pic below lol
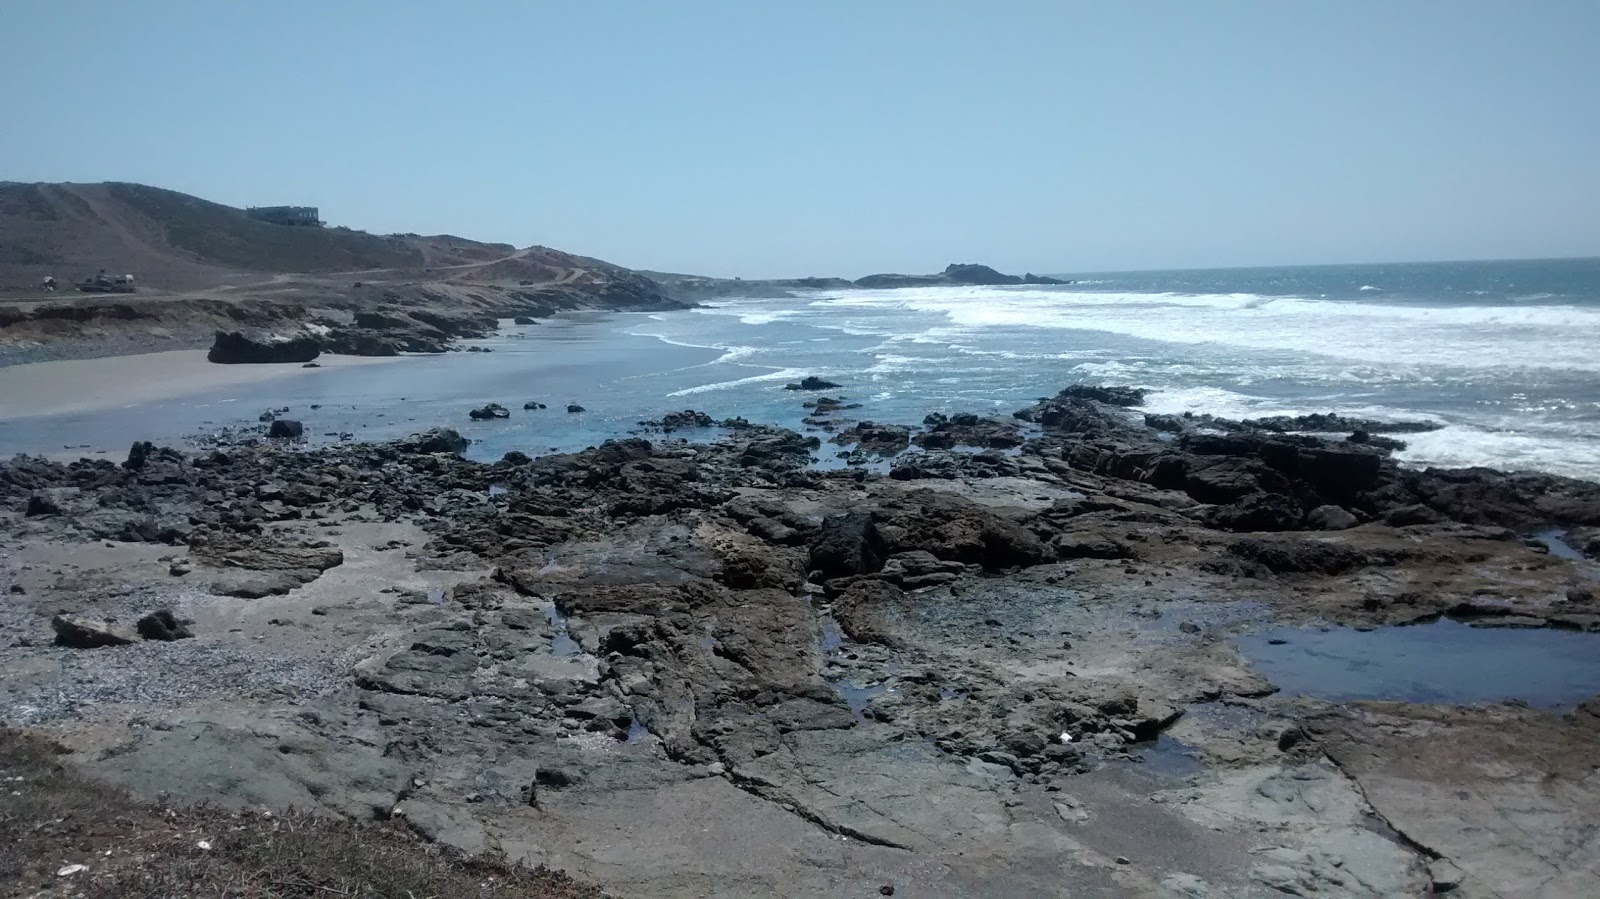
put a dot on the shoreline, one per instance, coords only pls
(69, 386)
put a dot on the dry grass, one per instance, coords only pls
(51, 818)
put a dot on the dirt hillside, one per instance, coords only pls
(202, 266)
(175, 243)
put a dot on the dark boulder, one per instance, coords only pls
(1113, 396)
(811, 382)
(1259, 512)
(574, 408)
(532, 405)
(86, 633)
(438, 440)
(39, 505)
(677, 421)
(1331, 518)
(286, 429)
(523, 320)
(237, 347)
(879, 439)
(848, 544)
(163, 625)
(491, 411)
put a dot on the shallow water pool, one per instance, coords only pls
(1443, 661)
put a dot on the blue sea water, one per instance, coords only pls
(1505, 354)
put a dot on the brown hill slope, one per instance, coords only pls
(174, 242)
(202, 266)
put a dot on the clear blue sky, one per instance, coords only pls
(821, 137)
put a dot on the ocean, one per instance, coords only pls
(1506, 355)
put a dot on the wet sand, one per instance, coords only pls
(87, 385)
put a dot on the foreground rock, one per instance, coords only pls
(938, 680)
(85, 633)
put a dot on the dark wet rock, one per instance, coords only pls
(575, 408)
(811, 382)
(1069, 415)
(957, 529)
(966, 429)
(312, 365)
(1328, 423)
(488, 412)
(285, 429)
(163, 625)
(532, 405)
(81, 632)
(878, 439)
(438, 440)
(138, 454)
(1111, 396)
(1520, 501)
(236, 347)
(1376, 440)
(848, 544)
(1330, 518)
(523, 320)
(1259, 512)
(955, 464)
(40, 504)
(677, 421)
(1301, 556)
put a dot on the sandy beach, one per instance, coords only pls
(86, 385)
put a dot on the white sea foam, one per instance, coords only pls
(1574, 455)
(1482, 337)
(889, 363)
(750, 313)
(785, 374)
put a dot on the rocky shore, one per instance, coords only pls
(1003, 659)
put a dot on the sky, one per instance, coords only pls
(841, 138)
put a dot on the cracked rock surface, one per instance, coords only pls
(709, 669)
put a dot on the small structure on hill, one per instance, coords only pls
(301, 216)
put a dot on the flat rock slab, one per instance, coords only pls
(274, 765)
(1509, 795)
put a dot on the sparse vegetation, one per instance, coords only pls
(52, 818)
